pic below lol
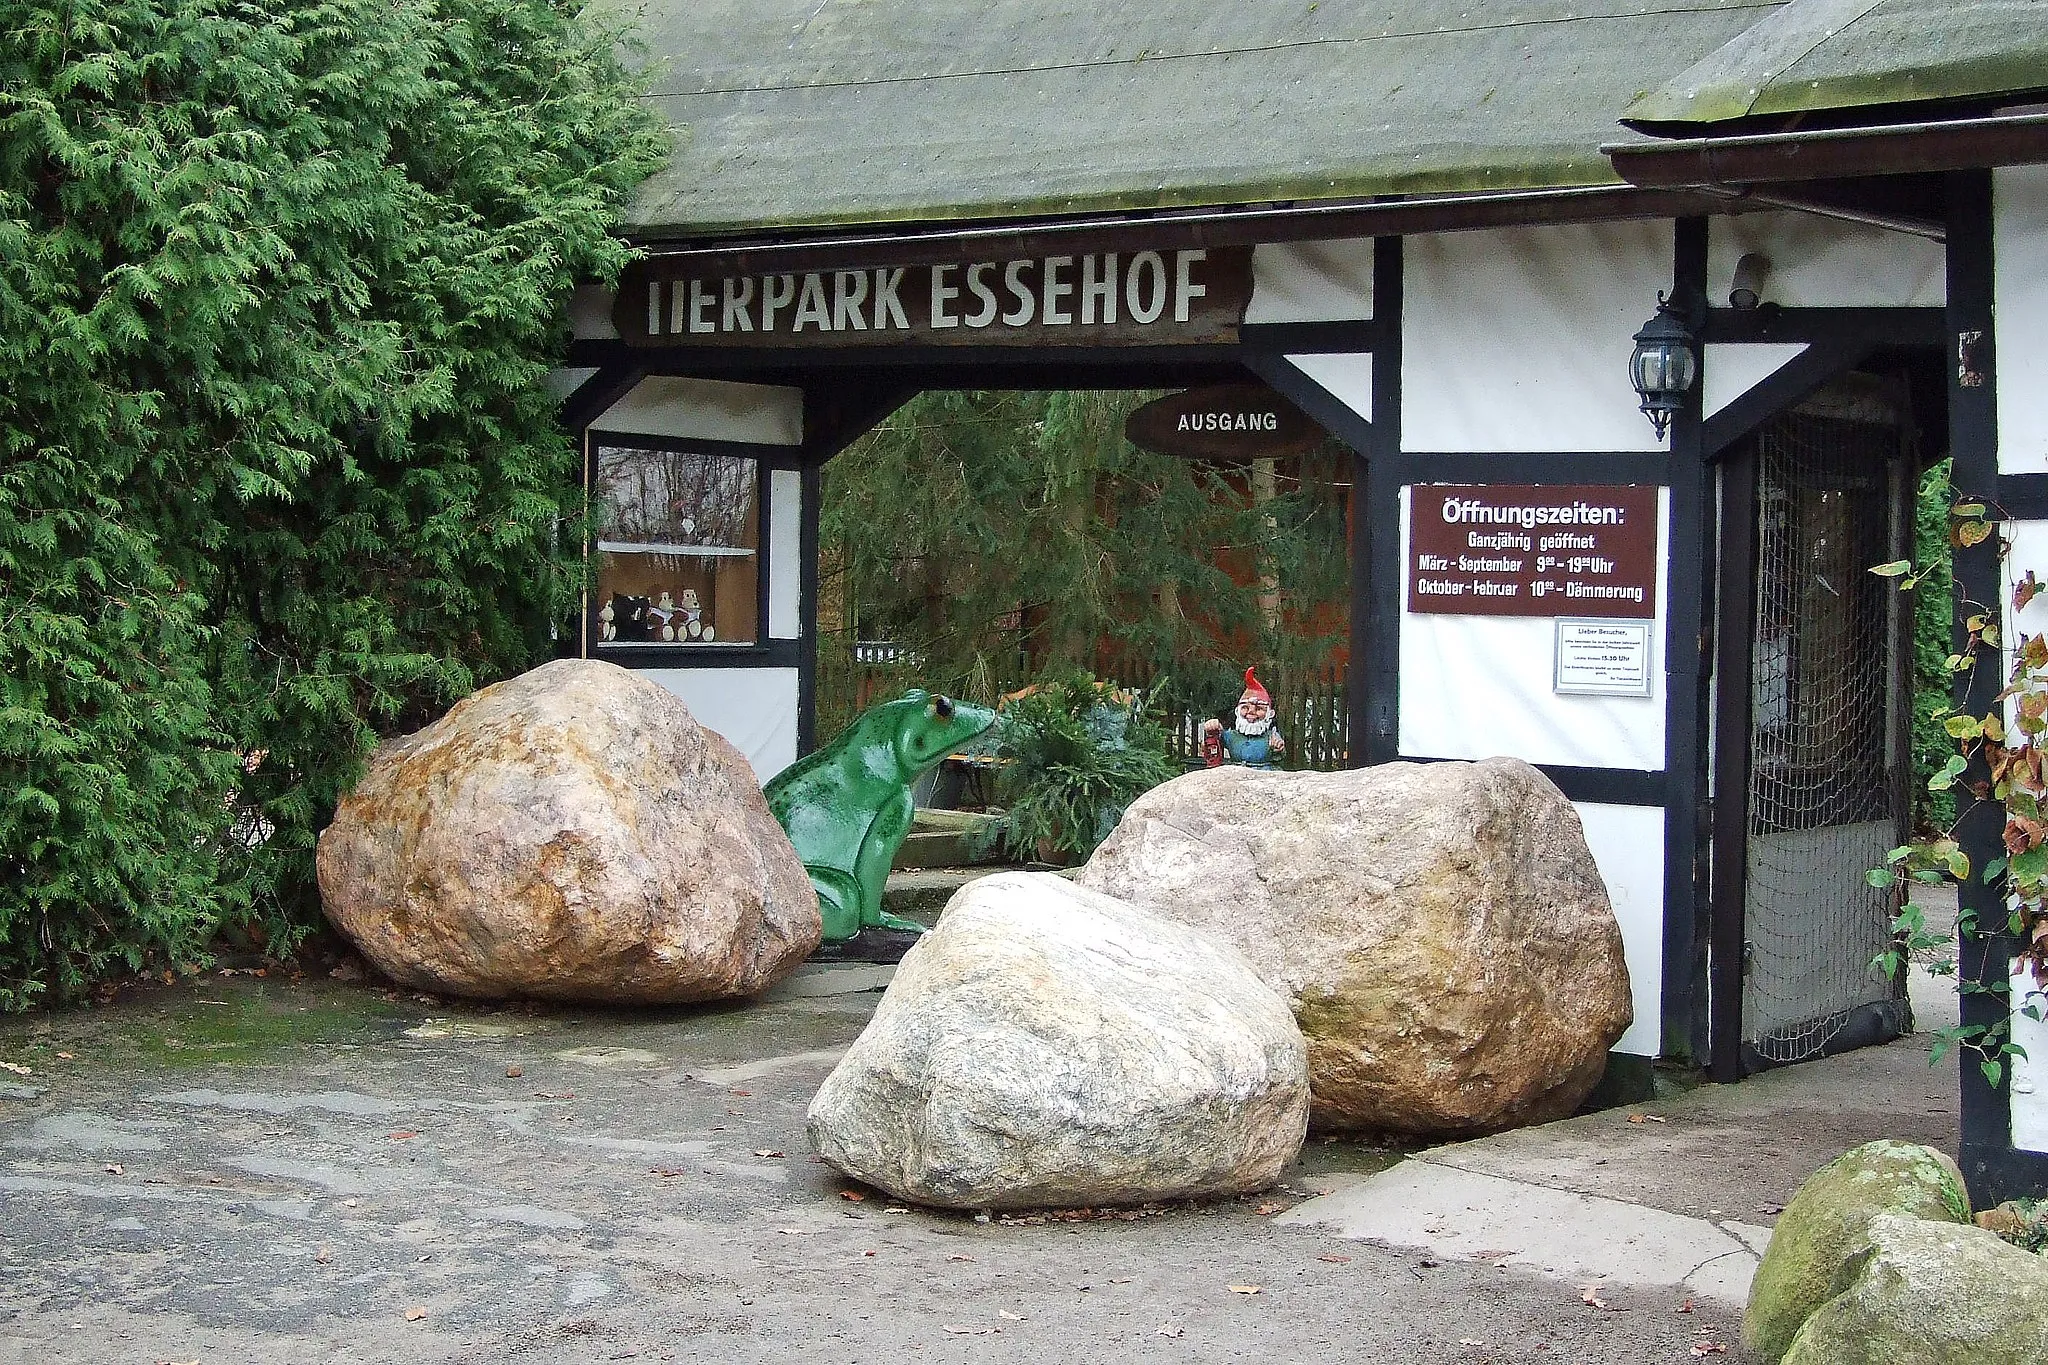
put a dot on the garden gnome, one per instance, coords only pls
(1253, 741)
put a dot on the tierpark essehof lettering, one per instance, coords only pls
(1104, 298)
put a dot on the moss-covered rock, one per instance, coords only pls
(1930, 1293)
(1827, 1224)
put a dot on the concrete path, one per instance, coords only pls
(1675, 1196)
(246, 1171)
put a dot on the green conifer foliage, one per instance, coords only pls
(278, 286)
(999, 534)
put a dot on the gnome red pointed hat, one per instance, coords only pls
(1254, 690)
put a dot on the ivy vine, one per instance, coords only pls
(2000, 757)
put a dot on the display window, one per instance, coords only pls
(678, 548)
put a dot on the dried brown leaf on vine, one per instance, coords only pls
(2025, 591)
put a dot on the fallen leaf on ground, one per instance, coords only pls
(17, 1068)
(1168, 1329)
(1590, 1296)
(65, 1057)
(744, 1094)
(513, 1073)
(323, 1255)
(1120, 1279)
(402, 1137)
(116, 1168)
(1246, 1289)
(1269, 1208)
(1009, 1316)
(1685, 1307)
(959, 1258)
(1335, 1260)
(766, 1151)
(1710, 1348)
(415, 1314)
(896, 1208)
(852, 1196)
(793, 1232)
(1770, 1208)
(1470, 1341)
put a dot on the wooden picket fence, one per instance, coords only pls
(1309, 704)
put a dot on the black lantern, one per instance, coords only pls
(1664, 365)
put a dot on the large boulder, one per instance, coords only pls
(1928, 1292)
(571, 834)
(1046, 1046)
(1827, 1225)
(1440, 929)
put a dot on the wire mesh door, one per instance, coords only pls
(1824, 787)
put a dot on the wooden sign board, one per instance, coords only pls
(1145, 298)
(1223, 422)
(1587, 550)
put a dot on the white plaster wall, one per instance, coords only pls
(708, 410)
(785, 554)
(563, 382)
(1518, 339)
(754, 708)
(1347, 377)
(2027, 549)
(1825, 263)
(590, 314)
(2029, 1088)
(1628, 845)
(2019, 196)
(1475, 686)
(1311, 281)
(1732, 369)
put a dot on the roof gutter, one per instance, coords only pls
(1170, 229)
(1722, 164)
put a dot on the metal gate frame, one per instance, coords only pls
(1838, 340)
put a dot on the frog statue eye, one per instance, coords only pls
(943, 707)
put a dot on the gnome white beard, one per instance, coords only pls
(1253, 728)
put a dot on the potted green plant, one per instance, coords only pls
(1075, 752)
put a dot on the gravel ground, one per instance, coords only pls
(254, 1170)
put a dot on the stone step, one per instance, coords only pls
(921, 893)
(949, 839)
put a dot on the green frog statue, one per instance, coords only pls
(848, 806)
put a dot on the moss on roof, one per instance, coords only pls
(814, 113)
(1817, 55)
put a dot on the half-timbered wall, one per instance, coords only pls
(752, 695)
(2020, 283)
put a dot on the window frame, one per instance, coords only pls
(695, 653)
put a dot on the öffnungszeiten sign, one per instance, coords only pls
(1533, 550)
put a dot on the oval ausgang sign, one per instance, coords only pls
(1226, 422)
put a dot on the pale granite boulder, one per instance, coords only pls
(1049, 1046)
(1440, 929)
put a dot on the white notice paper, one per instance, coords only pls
(1603, 658)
